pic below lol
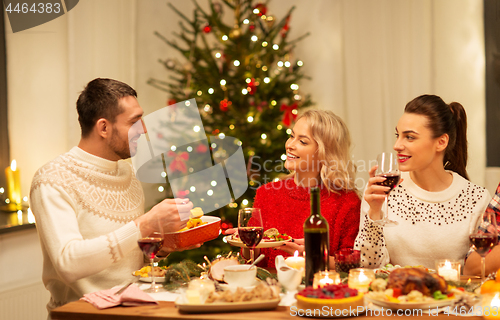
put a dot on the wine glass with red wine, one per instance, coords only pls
(389, 169)
(250, 229)
(150, 245)
(484, 238)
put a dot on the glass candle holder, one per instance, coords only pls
(448, 269)
(323, 278)
(360, 279)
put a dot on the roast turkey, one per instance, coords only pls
(408, 279)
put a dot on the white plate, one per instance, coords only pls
(411, 305)
(262, 244)
(227, 306)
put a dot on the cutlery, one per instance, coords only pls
(124, 287)
(257, 260)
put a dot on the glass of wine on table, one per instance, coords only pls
(484, 238)
(150, 244)
(250, 229)
(389, 169)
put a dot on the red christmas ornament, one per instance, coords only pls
(288, 114)
(179, 162)
(251, 27)
(201, 148)
(286, 27)
(224, 105)
(252, 87)
(225, 225)
(262, 9)
(207, 28)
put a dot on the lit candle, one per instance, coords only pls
(493, 312)
(12, 177)
(449, 270)
(360, 279)
(323, 278)
(296, 262)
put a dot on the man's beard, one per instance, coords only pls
(121, 148)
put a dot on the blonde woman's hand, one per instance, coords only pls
(290, 247)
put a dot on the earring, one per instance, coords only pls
(446, 164)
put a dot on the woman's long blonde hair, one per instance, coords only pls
(334, 149)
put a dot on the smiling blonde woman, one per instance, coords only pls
(318, 154)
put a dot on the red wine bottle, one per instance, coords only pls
(316, 239)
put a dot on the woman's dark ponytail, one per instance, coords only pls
(456, 156)
(450, 119)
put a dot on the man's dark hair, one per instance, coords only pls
(99, 99)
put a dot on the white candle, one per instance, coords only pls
(296, 262)
(449, 271)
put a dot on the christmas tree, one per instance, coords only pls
(245, 80)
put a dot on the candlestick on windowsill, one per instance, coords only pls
(13, 188)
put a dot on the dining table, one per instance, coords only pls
(166, 309)
(81, 310)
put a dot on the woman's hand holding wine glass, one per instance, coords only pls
(383, 178)
(250, 228)
(484, 238)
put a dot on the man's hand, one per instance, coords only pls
(167, 214)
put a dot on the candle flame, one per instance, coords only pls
(296, 254)
(362, 277)
(13, 165)
(447, 264)
(469, 281)
(495, 302)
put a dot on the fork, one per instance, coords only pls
(123, 288)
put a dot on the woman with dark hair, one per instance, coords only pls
(435, 204)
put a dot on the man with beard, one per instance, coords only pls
(88, 204)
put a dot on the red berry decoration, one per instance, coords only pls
(207, 28)
(224, 105)
(331, 291)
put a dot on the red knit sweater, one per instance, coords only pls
(285, 206)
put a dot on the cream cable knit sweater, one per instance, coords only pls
(84, 208)
(432, 225)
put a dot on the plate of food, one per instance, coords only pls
(144, 274)
(412, 288)
(199, 299)
(272, 238)
(388, 268)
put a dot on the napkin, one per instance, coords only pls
(132, 296)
